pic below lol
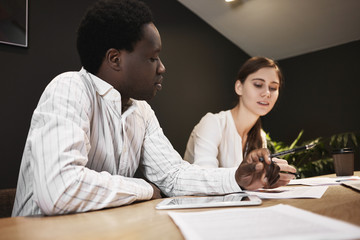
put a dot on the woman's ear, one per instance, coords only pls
(238, 88)
(113, 58)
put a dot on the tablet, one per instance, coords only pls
(229, 200)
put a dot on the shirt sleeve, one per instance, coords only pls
(59, 146)
(163, 166)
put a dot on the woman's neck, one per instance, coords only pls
(244, 120)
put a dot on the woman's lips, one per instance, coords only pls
(262, 103)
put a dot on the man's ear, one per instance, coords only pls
(238, 88)
(113, 59)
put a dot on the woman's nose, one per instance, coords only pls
(266, 93)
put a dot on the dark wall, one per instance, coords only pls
(24, 73)
(320, 94)
(201, 66)
(201, 70)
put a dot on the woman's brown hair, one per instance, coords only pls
(254, 140)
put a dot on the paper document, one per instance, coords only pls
(353, 184)
(290, 192)
(276, 222)
(322, 180)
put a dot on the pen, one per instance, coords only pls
(294, 150)
(292, 173)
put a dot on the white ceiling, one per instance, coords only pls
(281, 28)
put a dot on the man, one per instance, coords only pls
(92, 130)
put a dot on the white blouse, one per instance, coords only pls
(215, 142)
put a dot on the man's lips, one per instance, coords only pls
(158, 84)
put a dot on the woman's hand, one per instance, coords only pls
(284, 177)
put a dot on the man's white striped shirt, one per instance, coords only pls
(82, 152)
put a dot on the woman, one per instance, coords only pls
(223, 139)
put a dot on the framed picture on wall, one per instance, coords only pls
(14, 22)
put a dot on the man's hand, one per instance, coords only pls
(157, 192)
(257, 171)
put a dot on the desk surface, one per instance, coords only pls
(143, 221)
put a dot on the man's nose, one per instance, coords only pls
(161, 68)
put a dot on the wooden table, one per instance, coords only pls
(143, 221)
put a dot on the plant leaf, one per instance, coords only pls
(296, 140)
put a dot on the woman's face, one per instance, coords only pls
(260, 91)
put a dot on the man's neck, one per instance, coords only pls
(125, 104)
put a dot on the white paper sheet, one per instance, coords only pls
(290, 192)
(323, 180)
(353, 184)
(276, 222)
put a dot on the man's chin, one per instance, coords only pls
(145, 98)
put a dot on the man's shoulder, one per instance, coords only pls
(64, 79)
(72, 80)
(70, 76)
(69, 85)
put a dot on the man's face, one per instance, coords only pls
(142, 68)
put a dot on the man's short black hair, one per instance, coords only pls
(110, 24)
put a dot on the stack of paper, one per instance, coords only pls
(353, 184)
(276, 222)
(290, 192)
(323, 180)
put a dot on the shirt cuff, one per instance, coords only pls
(146, 191)
(231, 185)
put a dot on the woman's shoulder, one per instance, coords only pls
(219, 118)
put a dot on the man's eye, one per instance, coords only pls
(153, 59)
(258, 85)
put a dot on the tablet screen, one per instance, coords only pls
(198, 200)
(238, 199)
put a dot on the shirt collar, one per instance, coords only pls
(101, 86)
(108, 92)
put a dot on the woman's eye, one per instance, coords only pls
(258, 85)
(273, 89)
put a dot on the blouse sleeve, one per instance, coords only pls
(206, 138)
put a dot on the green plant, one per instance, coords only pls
(318, 160)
